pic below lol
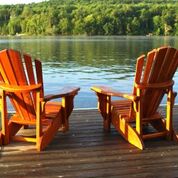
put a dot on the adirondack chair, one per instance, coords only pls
(22, 82)
(139, 110)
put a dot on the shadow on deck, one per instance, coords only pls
(86, 151)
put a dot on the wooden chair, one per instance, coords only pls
(140, 109)
(22, 82)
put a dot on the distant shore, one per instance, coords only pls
(91, 17)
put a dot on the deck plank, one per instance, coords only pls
(86, 151)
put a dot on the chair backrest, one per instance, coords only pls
(16, 69)
(160, 66)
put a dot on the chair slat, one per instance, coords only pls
(138, 76)
(139, 69)
(151, 94)
(167, 67)
(9, 77)
(16, 62)
(4, 79)
(159, 58)
(148, 65)
(38, 68)
(165, 72)
(173, 67)
(31, 76)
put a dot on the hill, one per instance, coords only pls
(91, 17)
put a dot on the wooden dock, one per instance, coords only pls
(86, 151)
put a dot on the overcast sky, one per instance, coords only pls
(2, 2)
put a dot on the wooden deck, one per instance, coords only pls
(86, 151)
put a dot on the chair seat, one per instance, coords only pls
(121, 109)
(52, 109)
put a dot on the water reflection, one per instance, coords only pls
(86, 61)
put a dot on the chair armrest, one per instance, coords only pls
(64, 92)
(162, 85)
(17, 88)
(110, 92)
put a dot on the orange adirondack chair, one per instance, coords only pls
(140, 109)
(23, 84)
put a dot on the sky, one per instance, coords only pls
(2, 2)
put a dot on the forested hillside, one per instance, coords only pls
(91, 17)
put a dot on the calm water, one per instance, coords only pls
(87, 61)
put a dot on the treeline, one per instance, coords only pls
(91, 17)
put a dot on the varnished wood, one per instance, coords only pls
(17, 88)
(8, 74)
(138, 75)
(39, 75)
(148, 65)
(4, 120)
(29, 67)
(111, 92)
(152, 81)
(24, 86)
(24, 139)
(64, 92)
(21, 79)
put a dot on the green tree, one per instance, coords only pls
(158, 26)
(27, 11)
(91, 17)
(168, 19)
(14, 26)
(90, 25)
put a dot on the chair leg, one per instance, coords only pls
(67, 107)
(107, 124)
(49, 133)
(13, 129)
(169, 113)
(128, 132)
(0, 139)
(5, 133)
(4, 119)
(104, 107)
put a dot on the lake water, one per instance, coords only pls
(87, 61)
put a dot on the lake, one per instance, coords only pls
(87, 61)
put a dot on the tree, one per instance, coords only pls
(91, 17)
(168, 19)
(14, 26)
(90, 25)
(158, 26)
